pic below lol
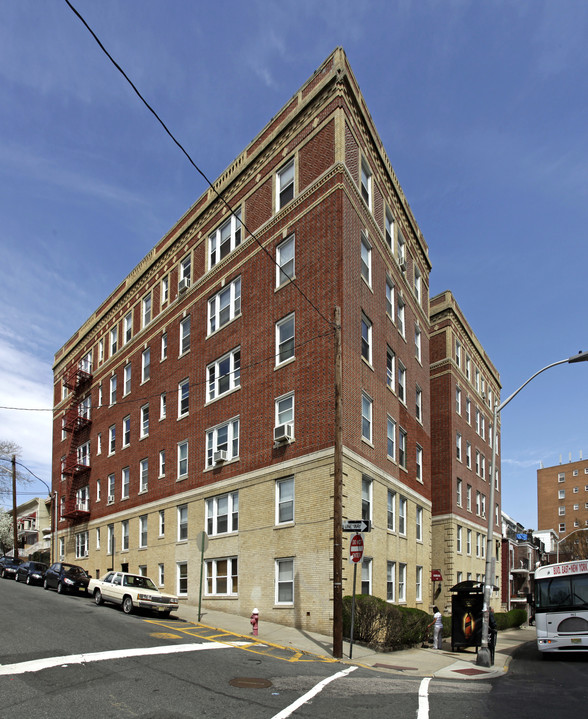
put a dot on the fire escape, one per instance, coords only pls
(76, 422)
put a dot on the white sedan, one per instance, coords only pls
(132, 591)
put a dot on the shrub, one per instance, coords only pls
(507, 620)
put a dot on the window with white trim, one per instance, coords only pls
(221, 577)
(419, 524)
(391, 438)
(402, 442)
(284, 185)
(164, 292)
(366, 183)
(366, 417)
(183, 398)
(162, 405)
(366, 575)
(401, 582)
(401, 388)
(366, 259)
(418, 292)
(182, 458)
(418, 403)
(225, 239)
(458, 400)
(82, 544)
(468, 455)
(126, 431)
(390, 298)
(224, 437)
(284, 581)
(285, 339)
(458, 539)
(124, 528)
(111, 439)
(469, 541)
(113, 389)
(163, 346)
(111, 482)
(366, 339)
(142, 531)
(285, 255)
(143, 475)
(127, 328)
(285, 500)
(366, 498)
(391, 511)
(390, 581)
(418, 342)
(224, 374)
(401, 247)
(185, 272)
(459, 492)
(144, 420)
(126, 480)
(402, 509)
(389, 228)
(126, 380)
(113, 340)
(458, 446)
(161, 522)
(284, 410)
(146, 310)
(182, 578)
(419, 463)
(222, 514)
(185, 335)
(182, 522)
(224, 306)
(161, 463)
(390, 368)
(145, 364)
(400, 316)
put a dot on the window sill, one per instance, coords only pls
(285, 283)
(368, 363)
(284, 363)
(284, 525)
(368, 442)
(221, 396)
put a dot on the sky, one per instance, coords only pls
(482, 109)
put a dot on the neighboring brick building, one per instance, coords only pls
(562, 497)
(464, 387)
(200, 395)
(522, 552)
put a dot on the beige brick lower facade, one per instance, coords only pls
(397, 557)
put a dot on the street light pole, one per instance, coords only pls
(484, 657)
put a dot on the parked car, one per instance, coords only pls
(132, 591)
(31, 572)
(8, 567)
(66, 578)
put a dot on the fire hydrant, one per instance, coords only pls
(255, 621)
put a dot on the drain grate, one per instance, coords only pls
(250, 683)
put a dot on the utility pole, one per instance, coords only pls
(338, 499)
(14, 522)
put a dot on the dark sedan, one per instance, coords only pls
(8, 567)
(66, 578)
(31, 572)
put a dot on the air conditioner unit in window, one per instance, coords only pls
(220, 456)
(183, 285)
(110, 498)
(284, 433)
(402, 263)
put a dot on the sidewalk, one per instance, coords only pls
(418, 662)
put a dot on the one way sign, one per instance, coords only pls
(356, 525)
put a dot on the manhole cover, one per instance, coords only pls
(250, 683)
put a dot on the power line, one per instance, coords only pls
(190, 160)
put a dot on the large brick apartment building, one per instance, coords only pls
(200, 395)
(562, 497)
(464, 387)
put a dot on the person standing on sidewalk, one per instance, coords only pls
(438, 628)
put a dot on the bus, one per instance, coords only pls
(561, 607)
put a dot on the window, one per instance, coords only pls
(366, 417)
(402, 438)
(284, 408)
(468, 455)
(221, 577)
(417, 284)
(458, 544)
(366, 575)
(111, 439)
(223, 438)
(561, 477)
(143, 475)
(164, 346)
(561, 511)
(161, 574)
(224, 374)
(389, 298)
(417, 342)
(478, 503)
(224, 240)
(110, 488)
(458, 353)
(143, 531)
(401, 316)
(183, 398)
(124, 527)
(126, 431)
(182, 522)
(458, 446)
(401, 382)
(222, 514)
(285, 185)
(113, 340)
(182, 459)
(390, 367)
(468, 413)
(184, 335)
(366, 498)
(366, 183)
(402, 508)
(224, 306)
(390, 581)
(419, 403)
(110, 539)
(182, 578)
(144, 420)
(419, 524)
(162, 522)
(284, 581)
(126, 380)
(459, 492)
(97, 537)
(391, 438)
(146, 365)
(419, 463)
(82, 542)
(185, 273)
(401, 249)
(391, 518)
(366, 259)
(562, 528)
(285, 500)
(285, 270)
(100, 353)
(419, 584)
(146, 310)
(127, 328)
(125, 482)
(164, 290)
(285, 329)
(366, 339)
(389, 228)
(469, 541)
(113, 390)
(97, 490)
(458, 400)
(402, 582)
(161, 463)
(162, 405)
(469, 497)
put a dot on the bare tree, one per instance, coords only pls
(575, 546)
(7, 450)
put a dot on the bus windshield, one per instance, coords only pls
(555, 593)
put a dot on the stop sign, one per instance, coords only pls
(356, 548)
